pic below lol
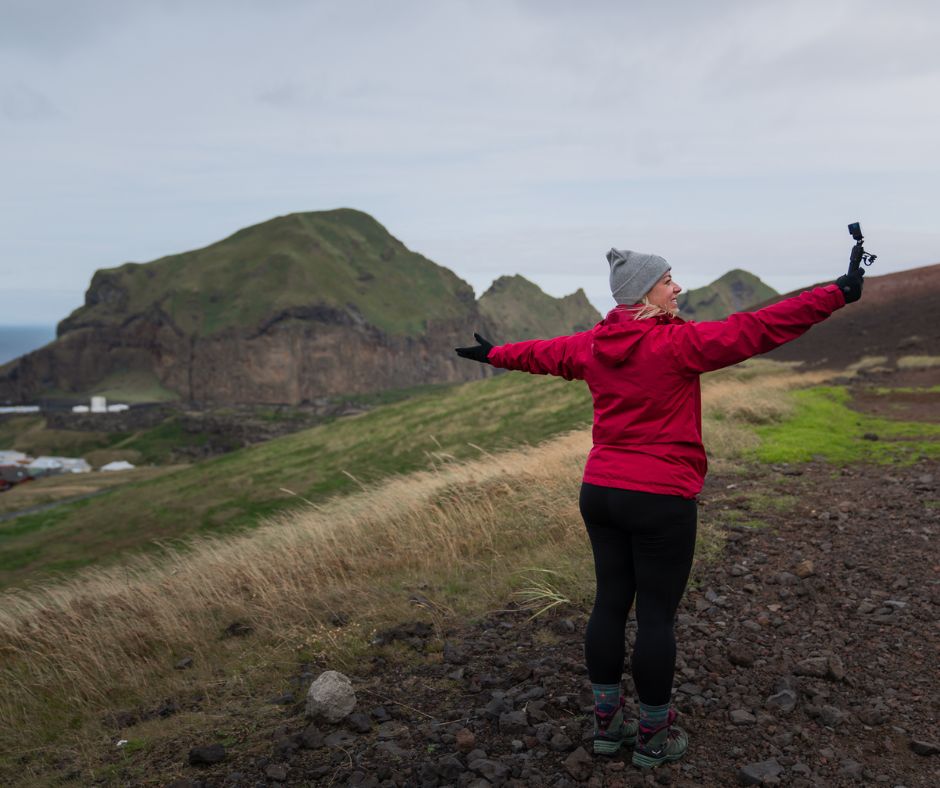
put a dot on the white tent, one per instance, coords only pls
(45, 465)
(117, 465)
(12, 457)
(59, 465)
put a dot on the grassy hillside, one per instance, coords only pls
(235, 490)
(733, 292)
(334, 258)
(312, 586)
(521, 310)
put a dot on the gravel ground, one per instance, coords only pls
(807, 658)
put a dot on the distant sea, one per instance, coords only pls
(17, 340)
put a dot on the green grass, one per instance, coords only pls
(155, 446)
(132, 387)
(823, 426)
(158, 444)
(238, 489)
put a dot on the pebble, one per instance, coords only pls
(873, 715)
(742, 717)
(494, 771)
(817, 667)
(277, 772)
(454, 655)
(392, 729)
(805, 569)
(513, 722)
(359, 722)
(449, 767)
(783, 701)
(759, 773)
(339, 738)
(741, 655)
(830, 716)
(207, 754)
(925, 748)
(560, 742)
(579, 764)
(851, 768)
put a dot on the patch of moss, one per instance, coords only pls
(823, 426)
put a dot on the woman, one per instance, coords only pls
(642, 364)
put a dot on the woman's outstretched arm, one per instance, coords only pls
(560, 356)
(704, 347)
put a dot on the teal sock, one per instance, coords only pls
(606, 695)
(653, 717)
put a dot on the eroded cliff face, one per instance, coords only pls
(300, 359)
(290, 359)
(301, 307)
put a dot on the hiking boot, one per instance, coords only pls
(611, 731)
(661, 745)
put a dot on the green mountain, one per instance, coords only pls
(737, 290)
(519, 309)
(290, 311)
(341, 259)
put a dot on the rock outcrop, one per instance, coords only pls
(296, 309)
(737, 290)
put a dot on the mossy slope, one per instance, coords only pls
(332, 258)
(735, 291)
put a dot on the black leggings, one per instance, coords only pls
(643, 545)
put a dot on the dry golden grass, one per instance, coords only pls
(69, 652)
(918, 362)
(753, 393)
(111, 632)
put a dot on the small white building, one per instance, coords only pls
(100, 404)
(13, 458)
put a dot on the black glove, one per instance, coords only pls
(851, 285)
(476, 352)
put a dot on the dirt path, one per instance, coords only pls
(808, 657)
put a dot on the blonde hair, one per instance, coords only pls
(646, 309)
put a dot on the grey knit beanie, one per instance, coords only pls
(632, 274)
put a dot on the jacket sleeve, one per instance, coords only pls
(558, 356)
(704, 347)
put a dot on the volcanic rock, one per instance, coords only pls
(331, 696)
(206, 755)
(758, 773)
(579, 765)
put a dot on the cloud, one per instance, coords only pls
(132, 130)
(20, 103)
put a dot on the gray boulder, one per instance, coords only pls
(331, 697)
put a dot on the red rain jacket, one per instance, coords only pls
(644, 378)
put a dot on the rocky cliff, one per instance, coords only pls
(521, 310)
(301, 307)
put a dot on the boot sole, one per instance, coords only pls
(647, 762)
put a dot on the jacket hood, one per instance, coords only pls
(616, 336)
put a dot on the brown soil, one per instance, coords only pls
(826, 571)
(893, 318)
(899, 405)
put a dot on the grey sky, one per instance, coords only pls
(493, 137)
